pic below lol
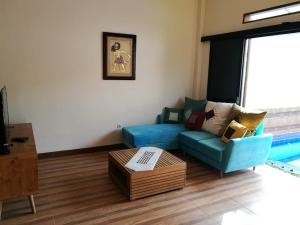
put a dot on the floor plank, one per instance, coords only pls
(76, 190)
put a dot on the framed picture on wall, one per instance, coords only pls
(119, 56)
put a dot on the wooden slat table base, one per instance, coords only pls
(168, 174)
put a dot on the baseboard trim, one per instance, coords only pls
(81, 151)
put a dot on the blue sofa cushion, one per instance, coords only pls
(191, 138)
(212, 148)
(161, 135)
(204, 143)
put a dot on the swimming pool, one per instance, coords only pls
(285, 152)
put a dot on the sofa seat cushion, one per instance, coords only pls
(204, 143)
(191, 138)
(212, 148)
(161, 135)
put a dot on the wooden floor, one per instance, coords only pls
(76, 190)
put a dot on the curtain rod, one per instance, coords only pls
(284, 28)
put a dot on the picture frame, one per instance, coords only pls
(119, 56)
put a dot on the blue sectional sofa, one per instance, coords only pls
(240, 153)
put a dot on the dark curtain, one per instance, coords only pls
(225, 70)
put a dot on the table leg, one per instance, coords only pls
(31, 199)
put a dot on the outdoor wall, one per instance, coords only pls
(222, 16)
(51, 63)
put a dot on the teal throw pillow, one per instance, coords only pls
(173, 115)
(193, 105)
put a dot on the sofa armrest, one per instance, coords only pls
(160, 118)
(242, 153)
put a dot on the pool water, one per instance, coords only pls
(295, 161)
(285, 152)
(290, 165)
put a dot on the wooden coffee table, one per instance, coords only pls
(168, 174)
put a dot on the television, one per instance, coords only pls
(4, 123)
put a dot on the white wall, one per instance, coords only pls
(223, 16)
(51, 63)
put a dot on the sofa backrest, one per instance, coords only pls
(260, 128)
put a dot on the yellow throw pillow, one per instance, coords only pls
(236, 111)
(234, 130)
(232, 116)
(250, 119)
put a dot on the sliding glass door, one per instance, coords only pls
(272, 79)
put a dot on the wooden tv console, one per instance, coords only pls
(19, 169)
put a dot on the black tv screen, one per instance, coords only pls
(4, 120)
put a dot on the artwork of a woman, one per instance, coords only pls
(119, 54)
(120, 58)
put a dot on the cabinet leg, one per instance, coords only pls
(0, 209)
(31, 199)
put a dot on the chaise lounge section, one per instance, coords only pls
(161, 135)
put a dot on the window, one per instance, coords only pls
(272, 72)
(271, 81)
(272, 12)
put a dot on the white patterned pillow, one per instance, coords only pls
(217, 113)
